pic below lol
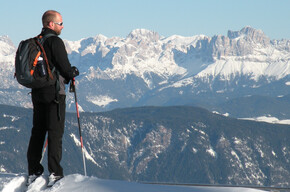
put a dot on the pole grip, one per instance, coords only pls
(72, 86)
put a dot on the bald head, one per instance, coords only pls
(49, 16)
(53, 20)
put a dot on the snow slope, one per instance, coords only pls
(76, 183)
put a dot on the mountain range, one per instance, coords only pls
(177, 144)
(147, 69)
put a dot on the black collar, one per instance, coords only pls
(45, 31)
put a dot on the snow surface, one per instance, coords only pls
(266, 119)
(77, 183)
(101, 100)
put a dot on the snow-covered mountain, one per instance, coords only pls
(146, 68)
(179, 144)
(11, 92)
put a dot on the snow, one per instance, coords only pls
(101, 100)
(225, 114)
(87, 155)
(211, 152)
(13, 118)
(5, 127)
(179, 84)
(266, 119)
(77, 182)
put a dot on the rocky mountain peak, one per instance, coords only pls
(142, 34)
(238, 43)
(6, 39)
(6, 45)
(249, 33)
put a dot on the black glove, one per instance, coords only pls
(75, 71)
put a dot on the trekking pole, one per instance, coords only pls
(44, 149)
(73, 89)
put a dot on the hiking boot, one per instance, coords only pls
(53, 179)
(34, 172)
(31, 179)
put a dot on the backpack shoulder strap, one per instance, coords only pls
(41, 38)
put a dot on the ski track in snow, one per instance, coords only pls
(77, 183)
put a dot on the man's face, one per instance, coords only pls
(58, 24)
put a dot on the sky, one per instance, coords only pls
(87, 18)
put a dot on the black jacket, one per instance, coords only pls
(58, 58)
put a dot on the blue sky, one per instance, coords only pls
(86, 18)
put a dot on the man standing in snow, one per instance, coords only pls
(49, 104)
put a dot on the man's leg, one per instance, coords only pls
(37, 138)
(55, 134)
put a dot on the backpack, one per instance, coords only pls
(31, 65)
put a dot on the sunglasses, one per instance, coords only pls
(58, 23)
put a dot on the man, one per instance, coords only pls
(49, 104)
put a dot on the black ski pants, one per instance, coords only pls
(46, 120)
